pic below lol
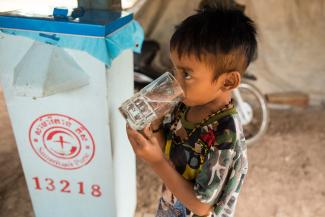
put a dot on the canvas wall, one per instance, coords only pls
(291, 40)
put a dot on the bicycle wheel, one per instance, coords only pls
(254, 105)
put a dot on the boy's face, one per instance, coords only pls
(197, 80)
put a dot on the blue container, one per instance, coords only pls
(91, 23)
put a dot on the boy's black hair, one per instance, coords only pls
(226, 38)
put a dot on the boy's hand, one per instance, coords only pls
(156, 123)
(146, 145)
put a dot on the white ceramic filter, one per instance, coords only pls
(152, 102)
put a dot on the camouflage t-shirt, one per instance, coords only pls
(211, 155)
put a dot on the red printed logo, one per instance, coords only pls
(61, 141)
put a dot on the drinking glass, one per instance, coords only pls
(152, 102)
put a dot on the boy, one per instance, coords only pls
(200, 155)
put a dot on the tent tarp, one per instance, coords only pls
(291, 40)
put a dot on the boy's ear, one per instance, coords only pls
(230, 80)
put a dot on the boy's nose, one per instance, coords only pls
(178, 78)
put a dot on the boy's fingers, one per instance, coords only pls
(136, 138)
(131, 135)
(147, 131)
(140, 139)
(130, 132)
(134, 145)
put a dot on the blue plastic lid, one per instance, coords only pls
(91, 23)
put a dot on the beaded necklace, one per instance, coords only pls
(182, 109)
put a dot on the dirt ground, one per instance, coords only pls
(286, 170)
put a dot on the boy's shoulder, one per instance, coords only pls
(225, 113)
(225, 129)
(226, 118)
(222, 129)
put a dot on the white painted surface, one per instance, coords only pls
(93, 107)
(120, 85)
(45, 70)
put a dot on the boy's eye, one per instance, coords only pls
(187, 75)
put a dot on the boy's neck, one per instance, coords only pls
(215, 105)
(200, 112)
